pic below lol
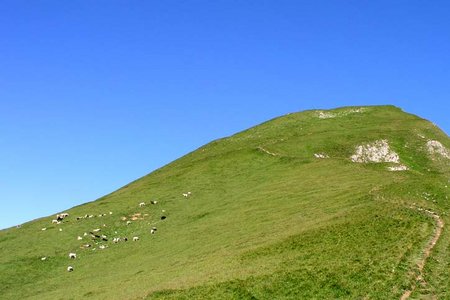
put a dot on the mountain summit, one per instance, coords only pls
(350, 203)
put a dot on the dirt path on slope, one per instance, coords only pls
(427, 251)
(267, 151)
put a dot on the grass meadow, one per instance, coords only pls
(266, 220)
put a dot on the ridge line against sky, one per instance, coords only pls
(96, 94)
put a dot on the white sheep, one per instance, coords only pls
(142, 204)
(61, 216)
(116, 240)
(154, 202)
(135, 238)
(79, 238)
(69, 269)
(43, 258)
(55, 221)
(128, 222)
(72, 255)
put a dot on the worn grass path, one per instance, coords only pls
(439, 225)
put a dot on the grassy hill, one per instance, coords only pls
(278, 211)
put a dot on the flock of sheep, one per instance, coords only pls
(95, 234)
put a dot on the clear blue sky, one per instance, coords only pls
(94, 94)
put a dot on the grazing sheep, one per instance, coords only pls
(153, 230)
(61, 216)
(125, 239)
(142, 204)
(85, 234)
(154, 202)
(110, 212)
(102, 246)
(128, 222)
(95, 236)
(135, 238)
(60, 229)
(185, 195)
(69, 269)
(163, 217)
(116, 240)
(43, 258)
(96, 230)
(43, 229)
(72, 255)
(79, 238)
(87, 245)
(55, 221)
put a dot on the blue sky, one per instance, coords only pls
(94, 94)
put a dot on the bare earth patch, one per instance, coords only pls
(321, 155)
(398, 168)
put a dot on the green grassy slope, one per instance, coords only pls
(266, 219)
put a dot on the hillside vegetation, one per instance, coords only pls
(304, 206)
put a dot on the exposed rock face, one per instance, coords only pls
(435, 147)
(325, 115)
(377, 151)
(328, 115)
